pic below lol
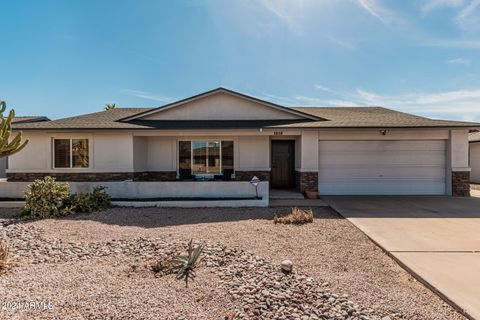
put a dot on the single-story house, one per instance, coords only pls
(18, 120)
(475, 157)
(225, 136)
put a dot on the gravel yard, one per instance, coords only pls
(92, 266)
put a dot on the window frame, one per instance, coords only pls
(70, 140)
(206, 140)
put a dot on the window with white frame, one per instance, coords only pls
(70, 153)
(206, 156)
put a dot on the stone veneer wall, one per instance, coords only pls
(306, 180)
(248, 175)
(155, 176)
(95, 176)
(461, 183)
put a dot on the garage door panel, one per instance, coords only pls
(378, 187)
(385, 173)
(378, 158)
(382, 167)
(385, 145)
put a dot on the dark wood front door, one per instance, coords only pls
(283, 164)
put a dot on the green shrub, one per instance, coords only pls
(97, 200)
(100, 198)
(46, 198)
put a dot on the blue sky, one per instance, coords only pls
(61, 58)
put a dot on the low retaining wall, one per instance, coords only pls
(165, 189)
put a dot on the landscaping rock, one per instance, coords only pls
(287, 266)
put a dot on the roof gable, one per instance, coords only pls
(222, 104)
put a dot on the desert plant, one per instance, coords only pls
(109, 106)
(100, 199)
(97, 200)
(189, 262)
(46, 198)
(15, 145)
(297, 216)
(5, 262)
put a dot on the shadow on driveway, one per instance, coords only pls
(405, 206)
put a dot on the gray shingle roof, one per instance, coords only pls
(338, 117)
(25, 119)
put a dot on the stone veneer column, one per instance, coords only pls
(306, 181)
(461, 183)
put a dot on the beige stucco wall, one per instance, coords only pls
(125, 151)
(140, 152)
(475, 162)
(373, 134)
(109, 152)
(161, 154)
(221, 106)
(458, 150)
(253, 153)
(113, 152)
(34, 157)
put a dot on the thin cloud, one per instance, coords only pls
(453, 43)
(146, 95)
(343, 43)
(308, 100)
(459, 61)
(468, 10)
(453, 104)
(371, 7)
(432, 5)
(292, 13)
(322, 88)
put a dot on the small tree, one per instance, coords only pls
(7, 148)
(110, 106)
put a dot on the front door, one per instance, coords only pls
(283, 164)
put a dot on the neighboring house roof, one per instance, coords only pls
(309, 117)
(474, 137)
(28, 119)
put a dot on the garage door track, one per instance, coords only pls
(437, 238)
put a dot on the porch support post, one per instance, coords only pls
(306, 174)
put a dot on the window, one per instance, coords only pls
(205, 157)
(184, 155)
(227, 155)
(70, 153)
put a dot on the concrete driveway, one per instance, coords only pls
(437, 238)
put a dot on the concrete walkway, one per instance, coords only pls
(435, 238)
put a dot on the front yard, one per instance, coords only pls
(92, 266)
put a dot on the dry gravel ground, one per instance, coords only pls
(329, 250)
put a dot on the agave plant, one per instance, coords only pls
(189, 262)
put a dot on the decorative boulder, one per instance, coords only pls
(287, 266)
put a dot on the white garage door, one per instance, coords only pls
(382, 167)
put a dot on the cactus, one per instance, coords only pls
(16, 144)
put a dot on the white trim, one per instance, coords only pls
(70, 153)
(207, 140)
